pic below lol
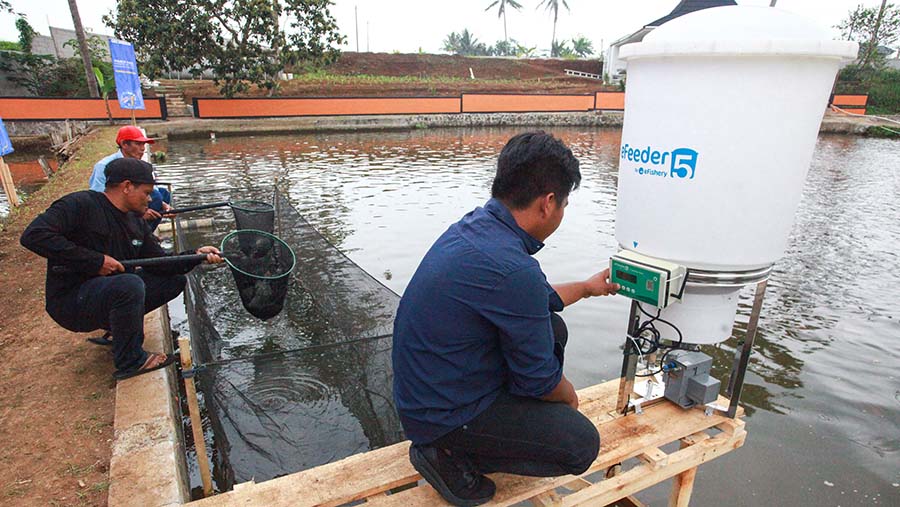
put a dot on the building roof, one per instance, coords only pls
(689, 6)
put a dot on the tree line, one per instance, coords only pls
(465, 43)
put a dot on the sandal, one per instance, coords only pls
(105, 340)
(154, 362)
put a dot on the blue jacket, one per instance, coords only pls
(475, 319)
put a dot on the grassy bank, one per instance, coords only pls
(57, 393)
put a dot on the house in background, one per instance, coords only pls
(54, 45)
(615, 68)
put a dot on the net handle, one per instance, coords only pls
(175, 211)
(164, 261)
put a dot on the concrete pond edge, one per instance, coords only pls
(148, 465)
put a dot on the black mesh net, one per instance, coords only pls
(256, 215)
(261, 265)
(307, 387)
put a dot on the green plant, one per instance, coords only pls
(241, 41)
(105, 86)
(882, 86)
(26, 34)
(562, 50)
(582, 46)
(525, 51)
(873, 28)
(465, 44)
(6, 45)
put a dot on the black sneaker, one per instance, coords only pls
(453, 477)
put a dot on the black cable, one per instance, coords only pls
(656, 345)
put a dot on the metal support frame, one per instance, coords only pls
(738, 370)
(629, 360)
(742, 354)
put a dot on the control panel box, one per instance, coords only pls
(646, 279)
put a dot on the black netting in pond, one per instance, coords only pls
(310, 385)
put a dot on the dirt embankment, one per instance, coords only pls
(57, 395)
(452, 66)
(404, 75)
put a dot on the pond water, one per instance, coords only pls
(29, 174)
(822, 392)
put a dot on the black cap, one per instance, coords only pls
(131, 169)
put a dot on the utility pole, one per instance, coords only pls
(367, 37)
(356, 18)
(85, 53)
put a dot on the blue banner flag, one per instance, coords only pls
(5, 143)
(128, 83)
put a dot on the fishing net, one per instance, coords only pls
(256, 215)
(306, 387)
(261, 265)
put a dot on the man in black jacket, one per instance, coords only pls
(83, 235)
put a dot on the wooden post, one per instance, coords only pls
(8, 186)
(683, 483)
(184, 344)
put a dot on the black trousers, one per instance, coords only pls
(118, 304)
(526, 436)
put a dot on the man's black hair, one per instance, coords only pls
(533, 164)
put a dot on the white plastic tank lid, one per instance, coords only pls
(740, 30)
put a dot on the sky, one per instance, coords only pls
(409, 26)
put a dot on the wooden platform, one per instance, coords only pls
(636, 437)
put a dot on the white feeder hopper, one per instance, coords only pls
(722, 111)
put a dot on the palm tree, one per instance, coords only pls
(85, 54)
(582, 46)
(501, 11)
(553, 6)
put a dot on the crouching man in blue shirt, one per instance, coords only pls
(478, 347)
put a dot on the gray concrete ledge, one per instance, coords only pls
(148, 458)
(180, 128)
(192, 128)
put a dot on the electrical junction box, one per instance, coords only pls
(687, 379)
(647, 279)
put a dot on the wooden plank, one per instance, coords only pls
(731, 425)
(578, 484)
(641, 477)
(695, 438)
(184, 346)
(546, 499)
(654, 457)
(369, 474)
(621, 438)
(628, 501)
(350, 479)
(9, 187)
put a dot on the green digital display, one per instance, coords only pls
(637, 281)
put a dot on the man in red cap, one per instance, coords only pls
(131, 142)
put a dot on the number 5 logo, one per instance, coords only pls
(684, 161)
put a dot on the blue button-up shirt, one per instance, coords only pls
(474, 319)
(97, 181)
